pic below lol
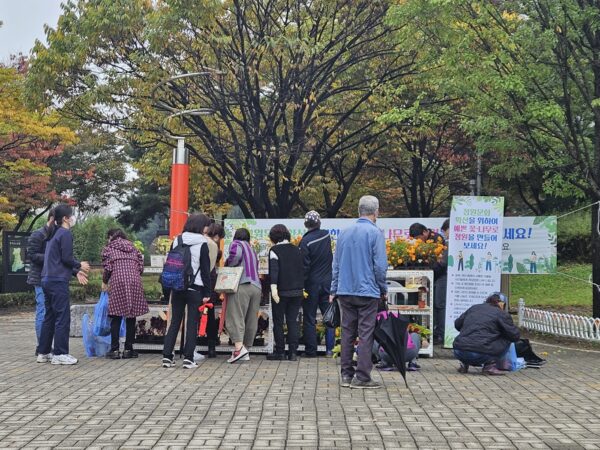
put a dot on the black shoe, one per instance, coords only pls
(346, 381)
(128, 354)
(357, 384)
(212, 353)
(292, 357)
(275, 357)
(114, 355)
(309, 355)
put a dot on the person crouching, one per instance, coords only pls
(485, 333)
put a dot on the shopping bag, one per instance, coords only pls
(331, 318)
(87, 333)
(101, 320)
(228, 279)
(509, 360)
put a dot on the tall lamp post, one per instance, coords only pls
(180, 167)
(180, 181)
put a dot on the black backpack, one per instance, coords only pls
(177, 274)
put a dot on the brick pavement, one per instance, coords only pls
(263, 404)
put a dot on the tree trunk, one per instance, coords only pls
(595, 261)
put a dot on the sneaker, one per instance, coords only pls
(464, 368)
(357, 384)
(187, 364)
(292, 357)
(328, 354)
(168, 363)
(128, 354)
(275, 357)
(413, 367)
(113, 355)
(346, 381)
(385, 368)
(66, 360)
(246, 357)
(491, 369)
(44, 358)
(236, 355)
(199, 357)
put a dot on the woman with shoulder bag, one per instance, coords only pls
(192, 298)
(241, 316)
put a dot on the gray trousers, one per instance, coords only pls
(359, 315)
(241, 317)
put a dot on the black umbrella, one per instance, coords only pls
(390, 332)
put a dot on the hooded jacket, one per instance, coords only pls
(486, 329)
(200, 260)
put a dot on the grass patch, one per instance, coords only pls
(554, 291)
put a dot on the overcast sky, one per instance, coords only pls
(23, 23)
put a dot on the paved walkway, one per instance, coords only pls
(262, 404)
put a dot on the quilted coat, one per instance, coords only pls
(123, 265)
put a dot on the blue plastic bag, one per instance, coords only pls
(509, 360)
(101, 320)
(87, 333)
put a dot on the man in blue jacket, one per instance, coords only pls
(358, 280)
(316, 249)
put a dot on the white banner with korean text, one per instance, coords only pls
(528, 243)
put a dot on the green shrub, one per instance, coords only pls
(574, 237)
(17, 299)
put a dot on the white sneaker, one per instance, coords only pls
(246, 357)
(168, 363)
(236, 356)
(199, 357)
(45, 358)
(66, 360)
(187, 364)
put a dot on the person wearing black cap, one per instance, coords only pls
(318, 258)
(485, 333)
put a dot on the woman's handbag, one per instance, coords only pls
(331, 318)
(228, 279)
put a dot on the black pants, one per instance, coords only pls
(193, 300)
(115, 328)
(286, 310)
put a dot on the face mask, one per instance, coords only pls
(72, 221)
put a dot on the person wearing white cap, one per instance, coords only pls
(318, 258)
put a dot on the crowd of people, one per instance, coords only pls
(306, 277)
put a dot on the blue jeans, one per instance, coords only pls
(40, 311)
(473, 358)
(57, 320)
(317, 298)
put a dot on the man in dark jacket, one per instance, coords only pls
(440, 271)
(485, 333)
(36, 246)
(318, 257)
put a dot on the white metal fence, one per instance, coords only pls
(580, 327)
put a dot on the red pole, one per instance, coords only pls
(180, 180)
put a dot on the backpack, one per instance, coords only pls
(177, 274)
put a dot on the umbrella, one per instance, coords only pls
(390, 332)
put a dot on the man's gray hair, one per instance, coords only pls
(368, 205)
